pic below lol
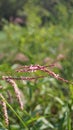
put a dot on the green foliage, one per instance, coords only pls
(48, 103)
(57, 11)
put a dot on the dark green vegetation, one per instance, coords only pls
(47, 38)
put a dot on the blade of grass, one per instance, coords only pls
(68, 120)
(15, 113)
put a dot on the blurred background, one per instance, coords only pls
(39, 32)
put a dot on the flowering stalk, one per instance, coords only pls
(4, 110)
(17, 92)
(33, 68)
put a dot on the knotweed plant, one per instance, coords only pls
(25, 69)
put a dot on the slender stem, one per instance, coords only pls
(21, 78)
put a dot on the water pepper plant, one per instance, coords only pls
(24, 69)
